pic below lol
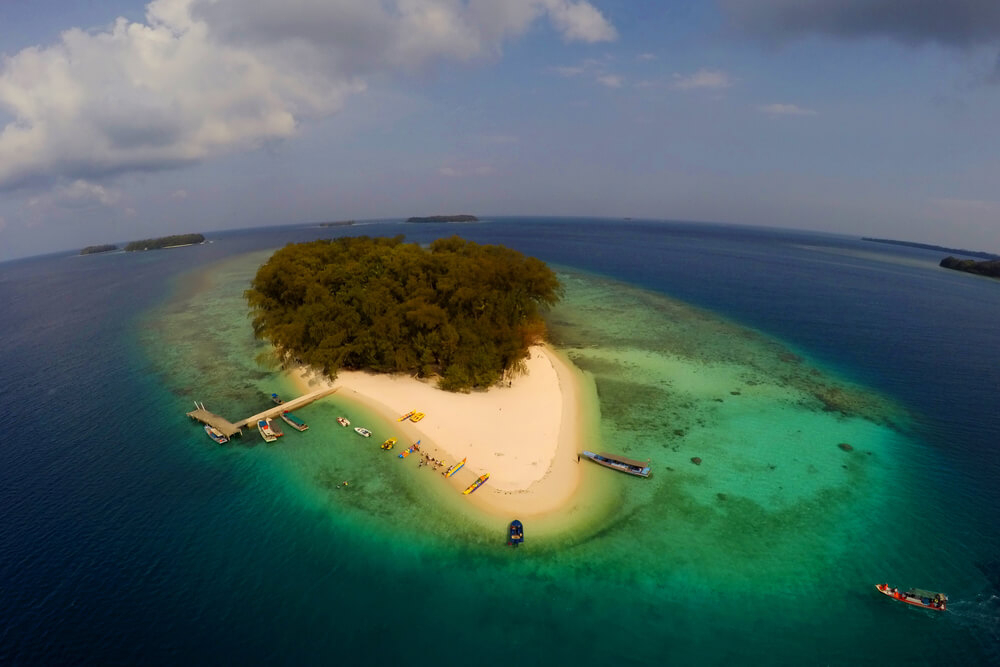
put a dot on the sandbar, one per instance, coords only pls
(526, 435)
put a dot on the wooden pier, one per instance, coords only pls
(229, 429)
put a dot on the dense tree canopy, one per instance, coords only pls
(164, 242)
(987, 268)
(459, 310)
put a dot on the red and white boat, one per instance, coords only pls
(916, 596)
(266, 432)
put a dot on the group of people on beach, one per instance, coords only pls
(428, 460)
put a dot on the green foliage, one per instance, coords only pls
(164, 242)
(462, 311)
(985, 268)
(94, 249)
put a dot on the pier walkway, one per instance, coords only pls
(287, 405)
(229, 429)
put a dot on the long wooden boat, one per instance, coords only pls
(294, 421)
(265, 430)
(620, 463)
(516, 533)
(478, 483)
(275, 428)
(916, 597)
(277, 399)
(216, 434)
(455, 468)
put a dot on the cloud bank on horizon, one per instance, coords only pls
(949, 22)
(874, 117)
(202, 77)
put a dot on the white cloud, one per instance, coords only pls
(198, 78)
(594, 69)
(646, 57)
(711, 79)
(3, 223)
(785, 110)
(580, 21)
(180, 194)
(80, 193)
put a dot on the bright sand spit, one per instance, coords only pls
(526, 435)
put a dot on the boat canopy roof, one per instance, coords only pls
(626, 461)
(921, 593)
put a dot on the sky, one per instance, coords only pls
(123, 119)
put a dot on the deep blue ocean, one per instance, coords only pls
(126, 538)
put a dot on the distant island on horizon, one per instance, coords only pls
(339, 223)
(95, 249)
(165, 242)
(444, 218)
(928, 246)
(990, 268)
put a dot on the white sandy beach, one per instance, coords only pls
(526, 435)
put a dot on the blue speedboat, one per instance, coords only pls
(516, 533)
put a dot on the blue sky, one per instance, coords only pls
(122, 120)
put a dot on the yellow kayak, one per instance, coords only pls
(417, 417)
(455, 468)
(407, 415)
(478, 483)
(389, 443)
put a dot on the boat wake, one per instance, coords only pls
(981, 617)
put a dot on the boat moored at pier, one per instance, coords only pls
(266, 432)
(620, 463)
(294, 421)
(216, 435)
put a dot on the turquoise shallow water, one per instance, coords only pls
(134, 538)
(776, 514)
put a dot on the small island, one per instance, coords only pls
(165, 242)
(444, 218)
(989, 268)
(339, 223)
(463, 313)
(95, 249)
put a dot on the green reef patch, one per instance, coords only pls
(751, 479)
(744, 436)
